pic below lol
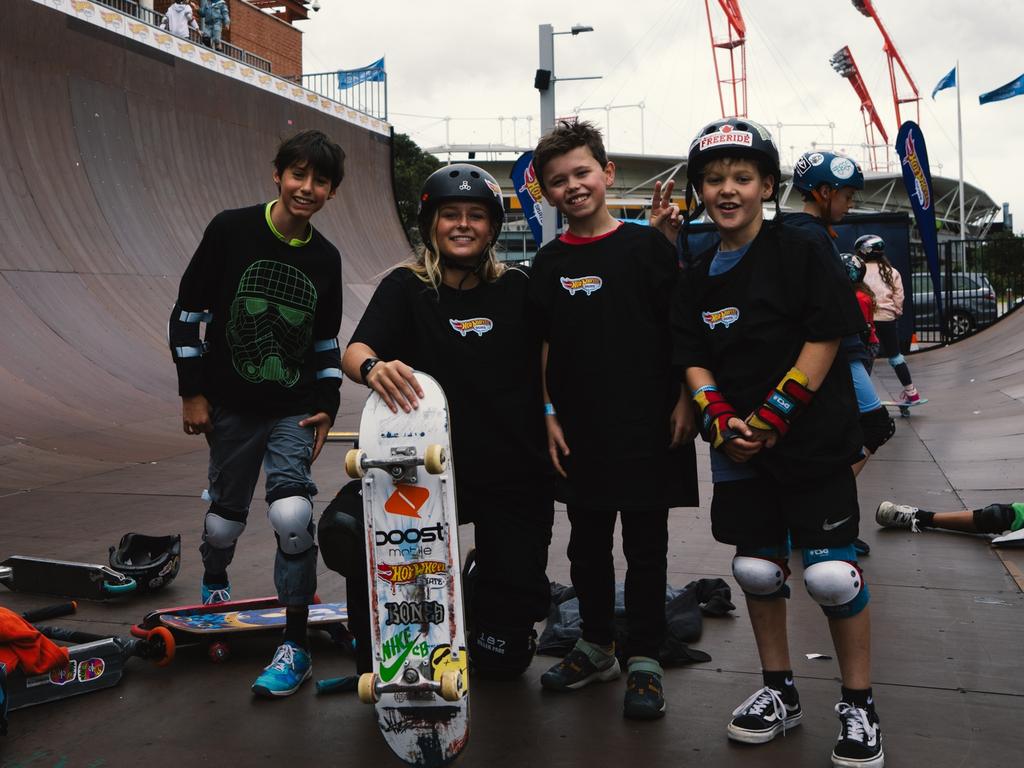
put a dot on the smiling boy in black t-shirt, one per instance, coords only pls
(601, 294)
(757, 325)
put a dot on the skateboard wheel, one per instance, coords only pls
(434, 459)
(354, 463)
(367, 688)
(162, 639)
(218, 652)
(451, 685)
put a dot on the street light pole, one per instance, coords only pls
(546, 64)
(544, 81)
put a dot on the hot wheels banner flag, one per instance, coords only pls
(527, 187)
(918, 180)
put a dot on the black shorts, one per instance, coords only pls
(760, 512)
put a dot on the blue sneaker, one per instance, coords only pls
(290, 668)
(214, 594)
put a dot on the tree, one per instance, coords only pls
(412, 167)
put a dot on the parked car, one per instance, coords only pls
(971, 297)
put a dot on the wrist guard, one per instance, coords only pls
(715, 413)
(783, 404)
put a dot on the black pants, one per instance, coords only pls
(645, 545)
(512, 531)
(888, 337)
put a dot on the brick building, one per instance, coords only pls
(271, 36)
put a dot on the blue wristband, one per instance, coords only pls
(705, 388)
(549, 409)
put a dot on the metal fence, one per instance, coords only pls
(155, 19)
(980, 281)
(370, 96)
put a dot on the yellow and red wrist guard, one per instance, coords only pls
(715, 413)
(783, 404)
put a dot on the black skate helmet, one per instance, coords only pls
(854, 266)
(870, 247)
(732, 137)
(813, 169)
(153, 561)
(460, 181)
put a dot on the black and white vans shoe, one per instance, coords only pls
(762, 717)
(860, 740)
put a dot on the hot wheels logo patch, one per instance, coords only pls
(408, 573)
(587, 284)
(478, 325)
(725, 317)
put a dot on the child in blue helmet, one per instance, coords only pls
(828, 183)
(757, 326)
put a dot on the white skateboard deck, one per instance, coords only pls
(412, 552)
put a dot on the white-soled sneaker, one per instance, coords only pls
(762, 717)
(859, 744)
(892, 515)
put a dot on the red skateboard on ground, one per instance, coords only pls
(214, 625)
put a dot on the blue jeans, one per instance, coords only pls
(239, 444)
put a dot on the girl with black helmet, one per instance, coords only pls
(456, 312)
(887, 285)
(764, 312)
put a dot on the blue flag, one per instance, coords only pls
(1008, 91)
(949, 81)
(373, 73)
(917, 178)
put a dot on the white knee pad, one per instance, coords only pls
(292, 518)
(833, 582)
(897, 360)
(221, 533)
(758, 576)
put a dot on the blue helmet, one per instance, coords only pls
(813, 169)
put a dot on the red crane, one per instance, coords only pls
(868, 9)
(733, 44)
(843, 63)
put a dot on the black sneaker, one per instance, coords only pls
(645, 698)
(860, 740)
(577, 670)
(762, 717)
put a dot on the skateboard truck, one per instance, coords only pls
(450, 687)
(401, 465)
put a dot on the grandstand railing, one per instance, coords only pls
(155, 19)
(370, 96)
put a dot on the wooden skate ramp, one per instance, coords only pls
(112, 162)
(114, 157)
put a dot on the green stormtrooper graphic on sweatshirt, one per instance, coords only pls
(271, 324)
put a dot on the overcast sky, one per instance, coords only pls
(474, 62)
